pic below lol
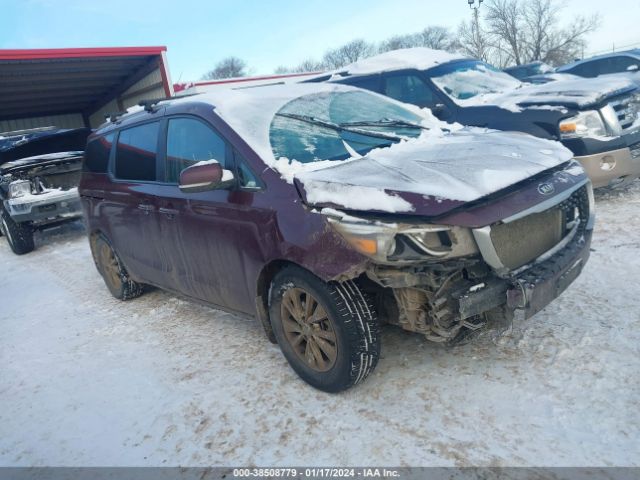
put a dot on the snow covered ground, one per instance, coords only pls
(88, 380)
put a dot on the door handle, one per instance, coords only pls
(146, 208)
(169, 212)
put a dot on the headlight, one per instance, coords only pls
(585, 124)
(19, 188)
(393, 243)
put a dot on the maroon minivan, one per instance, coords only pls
(326, 210)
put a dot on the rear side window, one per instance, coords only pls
(190, 141)
(409, 89)
(96, 155)
(136, 152)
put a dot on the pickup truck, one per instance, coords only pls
(597, 119)
(39, 176)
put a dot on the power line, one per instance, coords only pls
(615, 48)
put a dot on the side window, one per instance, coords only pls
(246, 178)
(96, 154)
(409, 89)
(136, 152)
(190, 141)
(625, 64)
(588, 70)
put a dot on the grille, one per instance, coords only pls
(627, 110)
(522, 241)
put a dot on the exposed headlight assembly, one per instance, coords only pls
(19, 188)
(394, 243)
(584, 124)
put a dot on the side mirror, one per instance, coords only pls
(439, 110)
(204, 176)
(632, 68)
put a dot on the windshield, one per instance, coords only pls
(466, 80)
(339, 125)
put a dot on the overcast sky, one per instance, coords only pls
(265, 34)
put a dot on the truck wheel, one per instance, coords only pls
(328, 332)
(19, 235)
(113, 272)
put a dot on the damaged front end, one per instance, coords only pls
(444, 281)
(42, 190)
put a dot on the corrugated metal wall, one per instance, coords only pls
(151, 87)
(72, 120)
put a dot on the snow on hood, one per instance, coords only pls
(575, 92)
(462, 166)
(420, 58)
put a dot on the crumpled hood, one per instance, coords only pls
(432, 174)
(575, 93)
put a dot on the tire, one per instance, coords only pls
(351, 321)
(113, 272)
(19, 235)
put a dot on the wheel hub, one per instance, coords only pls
(308, 329)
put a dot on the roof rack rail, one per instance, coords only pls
(113, 117)
(151, 103)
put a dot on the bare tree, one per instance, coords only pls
(474, 41)
(227, 68)
(348, 53)
(397, 42)
(436, 37)
(522, 32)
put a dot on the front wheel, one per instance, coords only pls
(19, 235)
(328, 332)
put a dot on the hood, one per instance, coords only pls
(17, 145)
(578, 93)
(40, 160)
(432, 174)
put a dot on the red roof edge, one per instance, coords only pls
(58, 53)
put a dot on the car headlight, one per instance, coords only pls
(19, 188)
(393, 243)
(585, 124)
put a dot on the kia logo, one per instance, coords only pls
(546, 188)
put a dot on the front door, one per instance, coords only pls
(208, 237)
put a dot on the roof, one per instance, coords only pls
(418, 58)
(73, 80)
(635, 52)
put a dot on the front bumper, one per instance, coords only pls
(539, 285)
(613, 168)
(44, 208)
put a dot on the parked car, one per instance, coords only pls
(623, 65)
(537, 72)
(324, 209)
(39, 175)
(598, 120)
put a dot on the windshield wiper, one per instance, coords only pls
(385, 122)
(340, 127)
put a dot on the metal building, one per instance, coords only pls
(77, 87)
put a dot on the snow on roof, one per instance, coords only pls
(420, 58)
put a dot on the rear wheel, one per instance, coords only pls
(328, 332)
(113, 272)
(19, 235)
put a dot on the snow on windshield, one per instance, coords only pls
(337, 126)
(468, 81)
